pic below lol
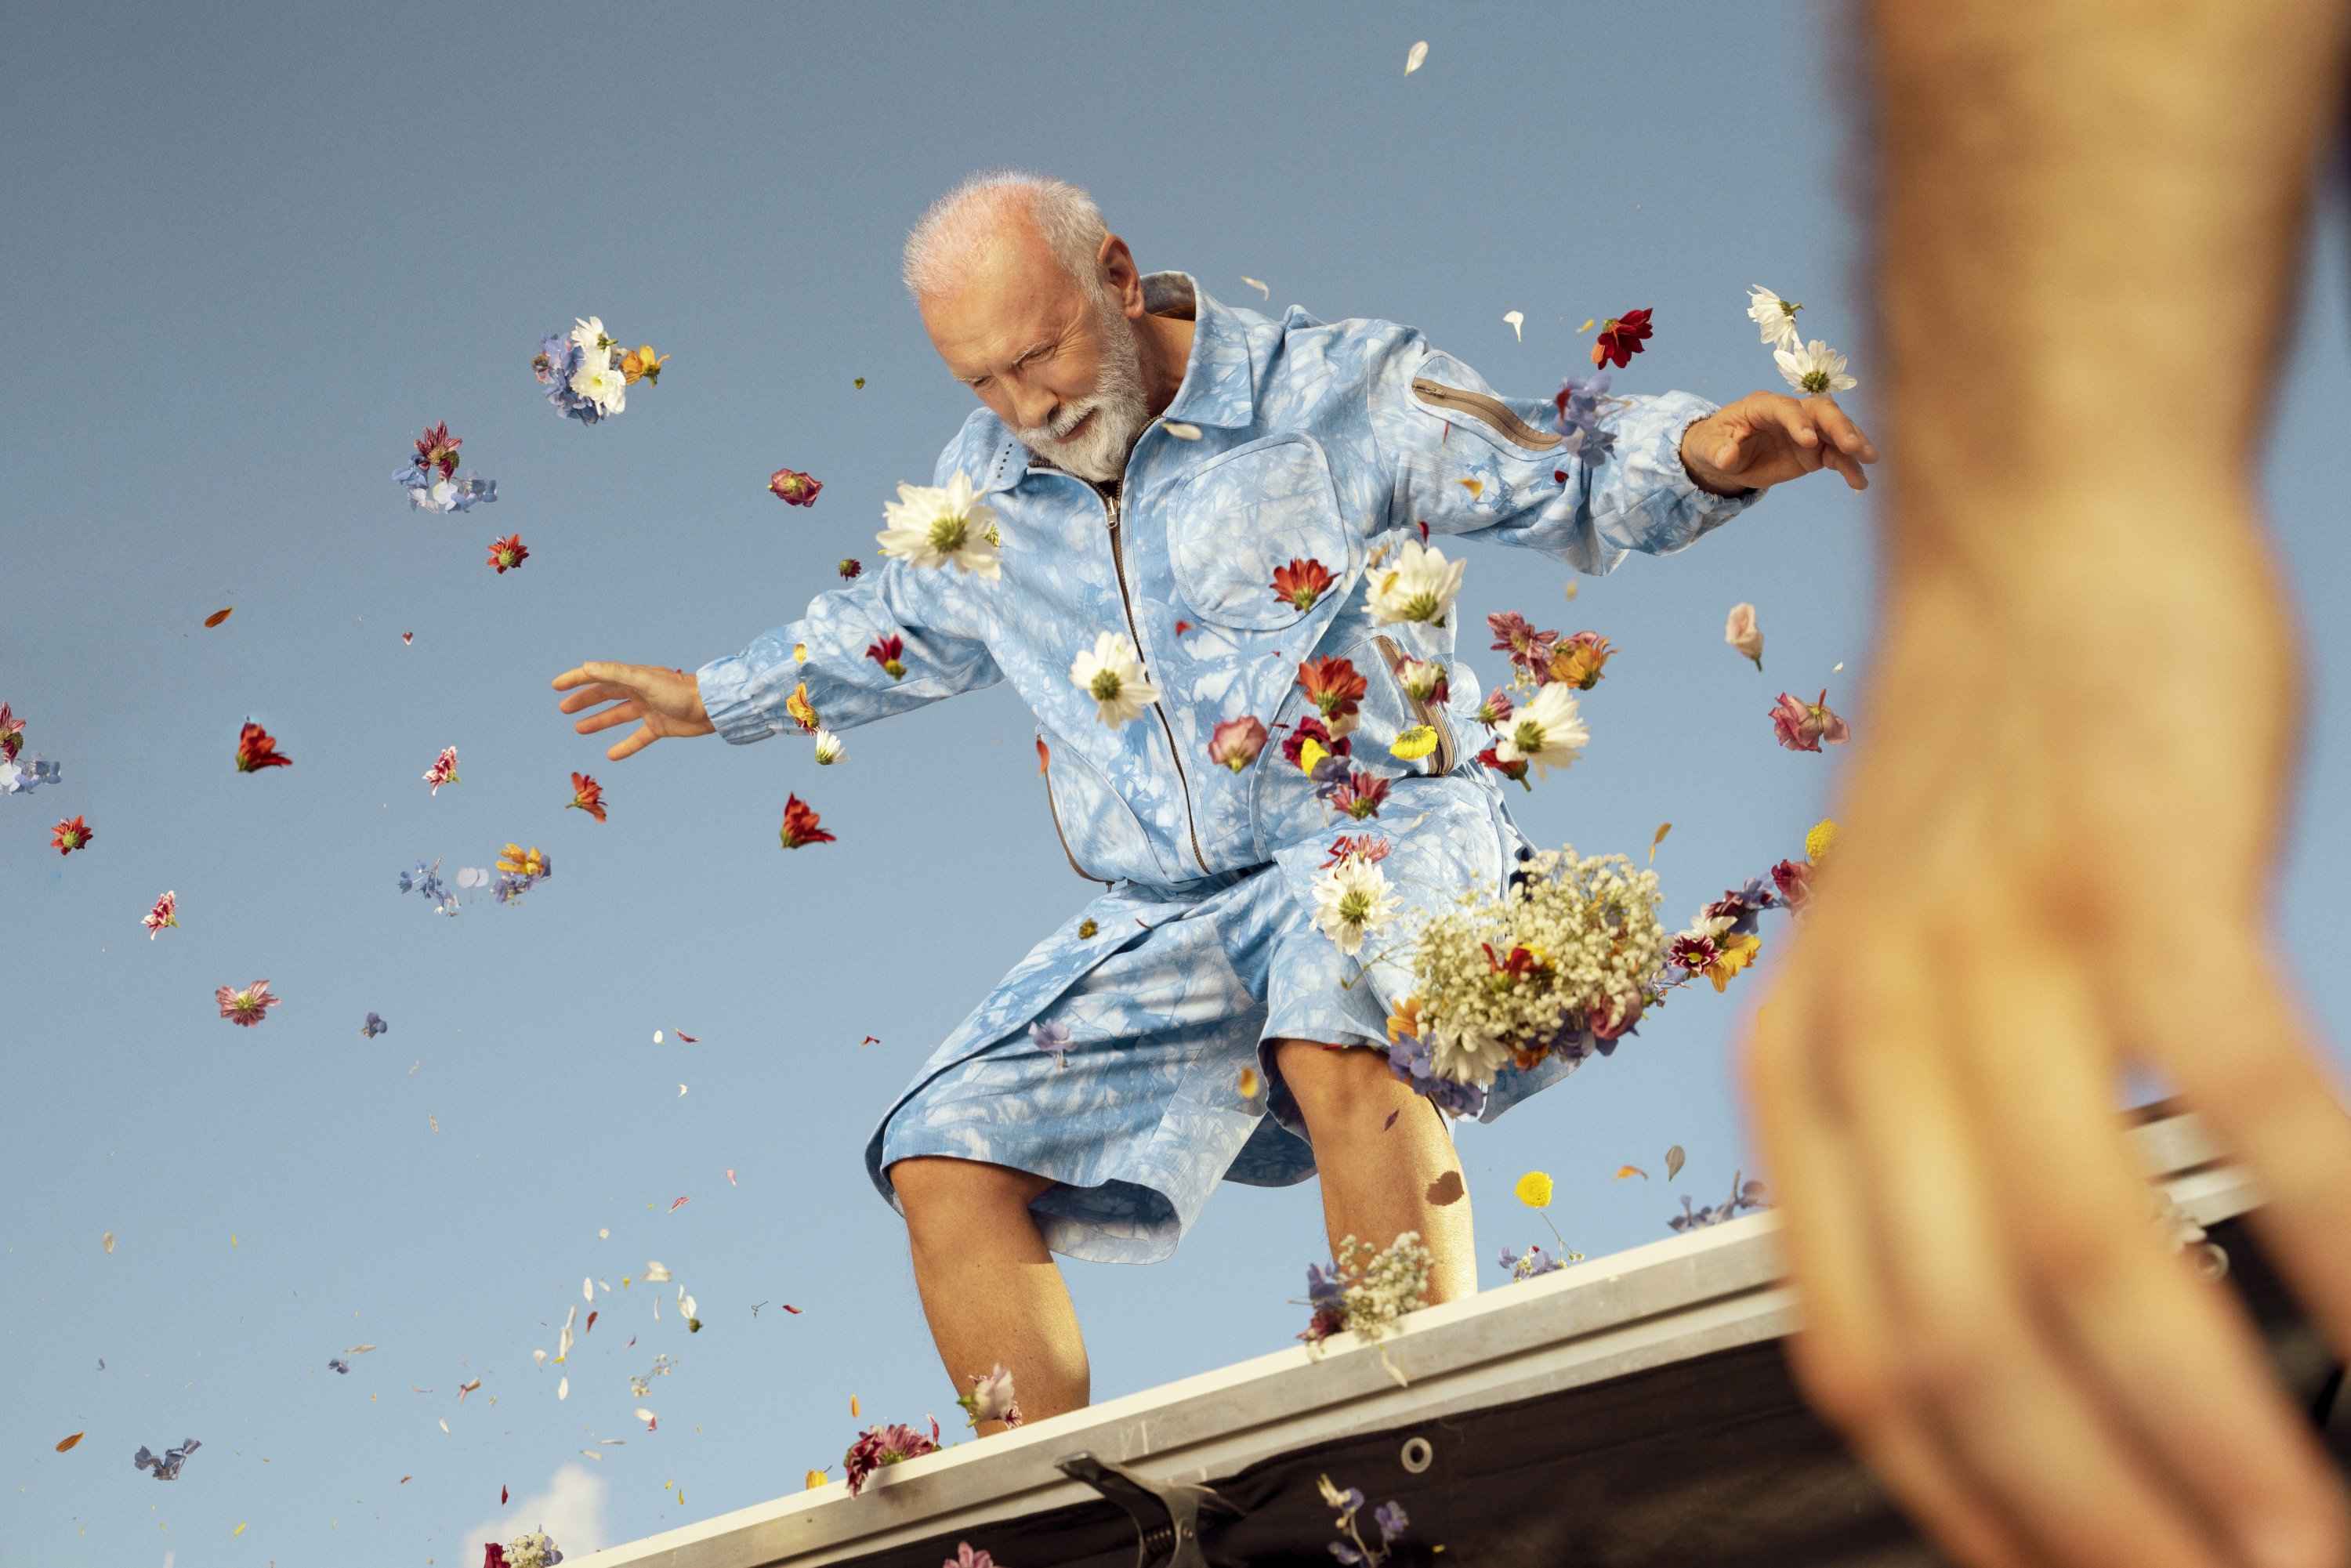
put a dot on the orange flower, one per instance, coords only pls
(258, 749)
(642, 364)
(800, 825)
(587, 795)
(1579, 661)
(803, 711)
(1301, 582)
(69, 835)
(1334, 686)
(506, 552)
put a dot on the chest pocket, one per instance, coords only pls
(1244, 517)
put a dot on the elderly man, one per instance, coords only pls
(1164, 509)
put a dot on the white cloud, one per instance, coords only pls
(570, 1511)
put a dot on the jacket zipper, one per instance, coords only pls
(1054, 808)
(1118, 564)
(1428, 713)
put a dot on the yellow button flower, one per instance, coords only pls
(1534, 1189)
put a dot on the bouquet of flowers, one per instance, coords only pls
(430, 477)
(587, 374)
(1560, 962)
(532, 1551)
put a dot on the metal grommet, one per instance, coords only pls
(1417, 1456)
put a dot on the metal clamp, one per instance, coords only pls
(1166, 1514)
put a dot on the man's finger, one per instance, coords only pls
(622, 751)
(606, 718)
(601, 692)
(1730, 453)
(1833, 419)
(1796, 419)
(2175, 1360)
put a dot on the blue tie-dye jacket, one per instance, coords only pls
(1323, 441)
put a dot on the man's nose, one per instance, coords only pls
(1033, 408)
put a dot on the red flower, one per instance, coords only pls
(1519, 966)
(587, 795)
(258, 749)
(493, 1555)
(1301, 582)
(887, 1444)
(1794, 881)
(885, 653)
(69, 835)
(12, 734)
(1521, 642)
(507, 552)
(436, 448)
(1366, 847)
(800, 825)
(851, 569)
(1512, 770)
(794, 489)
(1334, 685)
(1360, 796)
(1308, 729)
(1044, 755)
(1621, 337)
(249, 1006)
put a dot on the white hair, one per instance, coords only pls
(962, 226)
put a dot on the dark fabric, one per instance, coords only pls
(1710, 1461)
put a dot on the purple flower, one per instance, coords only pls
(1408, 1058)
(426, 879)
(166, 1468)
(1579, 418)
(1743, 1196)
(373, 1027)
(1533, 1264)
(1052, 1037)
(337, 1363)
(1391, 1519)
(26, 772)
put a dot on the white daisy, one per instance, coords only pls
(1420, 586)
(601, 384)
(1814, 368)
(1111, 674)
(589, 334)
(828, 750)
(1776, 317)
(1351, 900)
(1466, 1057)
(931, 526)
(1547, 732)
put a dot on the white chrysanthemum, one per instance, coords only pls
(932, 525)
(1776, 317)
(602, 385)
(828, 750)
(1351, 900)
(1547, 732)
(1420, 586)
(1111, 674)
(1814, 368)
(1467, 1056)
(588, 335)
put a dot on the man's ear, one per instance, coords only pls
(1119, 270)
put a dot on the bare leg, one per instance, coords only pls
(990, 1287)
(1380, 1179)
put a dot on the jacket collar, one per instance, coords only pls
(1219, 385)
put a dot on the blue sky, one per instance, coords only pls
(255, 248)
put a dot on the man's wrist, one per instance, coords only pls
(1705, 475)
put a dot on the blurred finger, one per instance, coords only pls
(1840, 428)
(1840, 1356)
(2172, 1358)
(601, 692)
(622, 751)
(1796, 419)
(1977, 1366)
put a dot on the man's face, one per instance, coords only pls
(1050, 356)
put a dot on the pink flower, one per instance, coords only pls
(1495, 711)
(248, 1006)
(1366, 847)
(888, 1443)
(1236, 742)
(1360, 796)
(793, 488)
(12, 734)
(1524, 644)
(166, 913)
(444, 769)
(1743, 634)
(1695, 953)
(1802, 726)
(1614, 1024)
(1794, 881)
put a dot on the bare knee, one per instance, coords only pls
(941, 1195)
(1336, 1088)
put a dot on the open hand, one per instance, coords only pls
(1768, 438)
(664, 702)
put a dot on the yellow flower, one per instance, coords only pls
(1406, 1020)
(1534, 1189)
(815, 1480)
(1410, 746)
(800, 653)
(797, 706)
(1310, 753)
(642, 363)
(1738, 952)
(519, 862)
(1249, 1083)
(1819, 840)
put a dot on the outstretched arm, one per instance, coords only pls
(2059, 834)
(1675, 467)
(661, 702)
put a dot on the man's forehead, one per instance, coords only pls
(1014, 298)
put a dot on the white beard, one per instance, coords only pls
(1120, 407)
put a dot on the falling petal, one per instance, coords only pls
(588, 1287)
(1674, 1158)
(218, 616)
(1623, 1171)
(1249, 1084)
(1476, 487)
(1412, 60)
(562, 1390)
(1839, 666)
(681, 1091)
(107, 1242)
(1518, 320)
(1181, 431)
(657, 1037)
(852, 1405)
(1587, 325)
(645, 1415)
(730, 1175)
(1662, 829)
(1261, 288)
(237, 1531)
(65, 1443)
(444, 1425)
(678, 1205)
